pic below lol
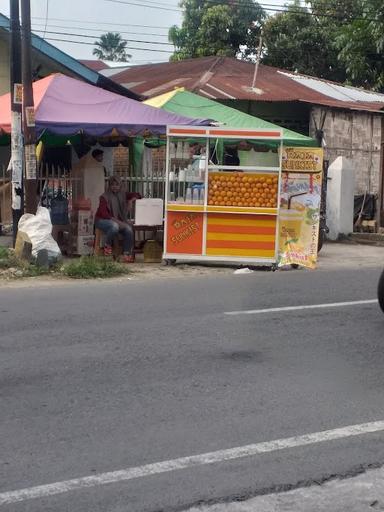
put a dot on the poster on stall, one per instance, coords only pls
(300, 198)
(184, 233)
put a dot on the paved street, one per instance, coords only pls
(108, 377)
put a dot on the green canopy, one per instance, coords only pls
(189, 104)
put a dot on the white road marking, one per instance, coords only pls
(124, 475)
(297, 308)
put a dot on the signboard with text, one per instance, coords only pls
(300, 197)
(185, 233)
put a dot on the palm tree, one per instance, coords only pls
(111, 47)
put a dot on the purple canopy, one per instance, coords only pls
(66, 106)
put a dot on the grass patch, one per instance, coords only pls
(87, 267)
(90, 267)
(6, 258)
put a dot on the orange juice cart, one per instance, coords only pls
(220, 206)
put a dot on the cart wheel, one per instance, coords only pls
(380, 292)
(274, 267)
(170, 262)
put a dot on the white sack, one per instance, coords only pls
(39, 229)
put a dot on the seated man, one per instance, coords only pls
(112, 218)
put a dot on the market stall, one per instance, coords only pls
(72, 118)
(218, 209)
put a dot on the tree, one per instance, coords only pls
(111, 46)
(361, 46)
(296, 40)
(341, 40)
(228, 28)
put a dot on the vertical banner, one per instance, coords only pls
(30, 162)
(16, 164)
(300, 198)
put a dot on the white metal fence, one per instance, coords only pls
(52, 178)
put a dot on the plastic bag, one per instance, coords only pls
(39, 229)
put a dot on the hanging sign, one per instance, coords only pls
(16, 164)
(300, 198)
(30, 116)
(18, 94)
(30, 162)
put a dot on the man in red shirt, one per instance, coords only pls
(112, 218)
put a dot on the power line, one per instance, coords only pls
(145, 5)
(98, 30)
(97, 23)
(46, 17)
(91, 44)
(246, 3)
(93, 37)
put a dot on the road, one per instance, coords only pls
(103, 377)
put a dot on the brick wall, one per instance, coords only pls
(121, 161)
(356, 135)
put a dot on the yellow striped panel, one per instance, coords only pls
(240, 209)
(185, 208)
(250, 221)
(241, 237)
(241, 252)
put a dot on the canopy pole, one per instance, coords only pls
(28, 111)
(16, 163)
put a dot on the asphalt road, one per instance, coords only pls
(108, 376)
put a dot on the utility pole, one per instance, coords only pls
(28, 111)
(16, 107)
(258, 57)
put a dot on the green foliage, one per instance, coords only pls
(111, 46)
(5, 260)
(298, 41)
(341, 40)
(361, 46)
(90, 267)
(83, 268)
(223, 29)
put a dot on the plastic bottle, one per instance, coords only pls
(201, 196)
(195, 195)
(188, 195)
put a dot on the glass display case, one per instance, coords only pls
(222, 194)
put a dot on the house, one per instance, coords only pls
(349, 120)
(95, 64)
(47, 59)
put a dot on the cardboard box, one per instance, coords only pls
(149, 212)
(84, 245)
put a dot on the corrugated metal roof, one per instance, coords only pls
(229, 78)
(112, 71)
(337, 91)
(95, 64)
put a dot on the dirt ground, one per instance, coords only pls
(332, 256)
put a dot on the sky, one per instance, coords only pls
(143, 23)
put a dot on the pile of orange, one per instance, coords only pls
(243, 189)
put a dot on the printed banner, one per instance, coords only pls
(300, 198)
(30, 162)
(18, 94)
(185, 233)
(30, 116)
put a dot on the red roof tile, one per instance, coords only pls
(96, 65)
